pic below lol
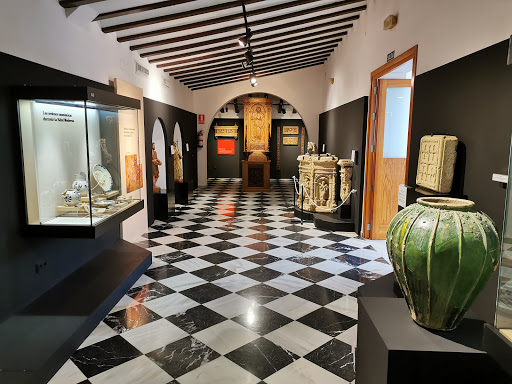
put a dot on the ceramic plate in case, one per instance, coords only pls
(103, 177)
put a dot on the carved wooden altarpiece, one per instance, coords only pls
(257, 121)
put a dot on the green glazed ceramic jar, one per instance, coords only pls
(443, 253)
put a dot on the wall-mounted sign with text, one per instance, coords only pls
(200, 119)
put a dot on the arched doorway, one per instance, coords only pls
(288, 139)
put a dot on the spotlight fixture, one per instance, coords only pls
(283, 111)
(253, 79)
(227, 108)
(245, 64)
(244, 40)
(249, 57)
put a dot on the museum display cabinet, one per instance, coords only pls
(81, 162)
(504, 299)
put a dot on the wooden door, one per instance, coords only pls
(391, 146)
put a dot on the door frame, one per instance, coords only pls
(369, 175)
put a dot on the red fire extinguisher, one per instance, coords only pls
(200, 139)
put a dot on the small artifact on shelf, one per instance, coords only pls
(71, 197)
(443, 253)
(436, 162)
(80, 184)
(103, 177)
(312, 148)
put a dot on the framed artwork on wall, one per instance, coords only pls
(290, 130)
(290, 140)
(226, 147)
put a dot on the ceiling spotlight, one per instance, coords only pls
(249, 57)
(253, 80)
(244, 40)
(245, 64)
(227, 108)
(283, 111)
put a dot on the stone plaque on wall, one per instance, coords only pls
(226, 131)
(257, 121)
(290, 140)
(436, 162)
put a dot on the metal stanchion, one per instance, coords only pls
(302, 206)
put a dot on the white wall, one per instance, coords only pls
(39, 31)
(444, 31)
(303, 89)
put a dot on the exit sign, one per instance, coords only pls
(200, 119)
(391, 55)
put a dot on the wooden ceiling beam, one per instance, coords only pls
(176, 16)
(231, 53)
(223, 19)
(259, 75)
(216, 69)
(261, 67)
(329, 39)
(77, 3)
(180, 39)
(140, 9)
(241, 58)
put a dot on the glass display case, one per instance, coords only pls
(81, 161)
(504, 303)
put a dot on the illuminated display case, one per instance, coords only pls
(81, 161)
(504, 303)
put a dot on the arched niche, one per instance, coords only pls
(283, 156)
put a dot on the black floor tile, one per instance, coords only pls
(340, 247)
(311, 274)
(334, 237)
(104, 355)
(181, 245)
(182, 356)
(336, 357)
(262, 357)
(196, 319)
(350, 260)
(306, 260)
(262, 320)
(223, 245)
(301, 247)
(149, 292)
(218, 257)
(129, 318)
(205, 293)
(212, 273)
(261, 246)
(174, 257)
(190, 235)
(163, 272)
(154, 235)
(318, 294)
(360, 275)
(262, 259)
(261, 274)
(328, 321)
(262, 236)
(297, 237)
(262, 293)
(147, 244)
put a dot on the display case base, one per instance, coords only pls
(499, 347)
(393, 349)
(328, 221)
(181, 189)
(38, 340)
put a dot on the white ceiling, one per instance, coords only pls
(310, 34)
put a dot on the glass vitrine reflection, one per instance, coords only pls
(81, 160)
(504, 302)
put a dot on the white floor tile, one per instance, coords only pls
(288, 283)
(175, 231)
(199, 251)
(239, 265)
(205, 240)
(68, 374)
(283, 253)
(347, 305)
(298, 338)
(226, 336)
(332, 267)
(219, 371)
(167, 239)
(318, 242)
(231, 305)
(192, 264)
(285, 266)
(242, 241)
(182, 282)
(171, 304)
(303, 371)
(235, 283)
(125, 302)
(100, 333)
(340, 284)
(137, 371)
(161, 250)
(280, 241)
(377, 267)
(323, 253)
(292, 306)
(349, 336)
(143, 280)
(153, 335)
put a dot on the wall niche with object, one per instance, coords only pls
(82, 171)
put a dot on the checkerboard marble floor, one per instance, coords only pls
(239, 292)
